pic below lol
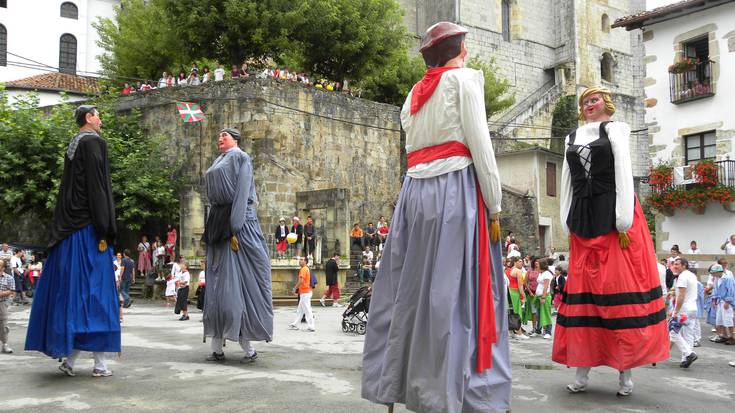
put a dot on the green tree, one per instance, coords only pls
(32, 146)
(334, 39)
(563, 121)
(497, 89)
(140, 42)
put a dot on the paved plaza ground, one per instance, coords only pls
(162, 369)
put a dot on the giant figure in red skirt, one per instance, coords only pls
(612, 311)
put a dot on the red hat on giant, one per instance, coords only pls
(440, 31)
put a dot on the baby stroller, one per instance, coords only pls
(354, 318)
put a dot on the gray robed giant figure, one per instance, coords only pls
(238, 304)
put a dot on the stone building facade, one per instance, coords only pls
(314, 152)
(549, 49)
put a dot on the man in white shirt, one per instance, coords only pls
(163, 81)
(514, 252)
(16, 266)
(686, 304)
(219, 73)
(6, 253)
(729, 246)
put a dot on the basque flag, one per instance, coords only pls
(190, 112)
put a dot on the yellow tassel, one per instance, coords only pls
(102, 245)
(234, 244)
(623, 239)
(495, 230)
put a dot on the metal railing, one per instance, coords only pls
(692, 84)
(725, 176)
(507, 118)
(291, 251)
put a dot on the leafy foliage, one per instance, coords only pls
(32, 146)
(563, 121)
(497, 98)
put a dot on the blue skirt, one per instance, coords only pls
(75, 305)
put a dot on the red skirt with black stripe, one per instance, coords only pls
(612, 311)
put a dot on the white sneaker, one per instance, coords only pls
(338, 305)
(547, 336)
(732, 363)
(624, 391)
(293, 327)
(576, 388)
(532, 335)
(6, 349)
(321, 301)
(311, 329)
(520, 337)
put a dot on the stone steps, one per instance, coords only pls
(293, 301)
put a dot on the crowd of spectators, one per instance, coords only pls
(25, 269)
(535, 286)
(371, 242)
(196, 77)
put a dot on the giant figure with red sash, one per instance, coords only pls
(612, 311)
(437, 339)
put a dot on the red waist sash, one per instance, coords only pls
(441, 151)
(486, 334)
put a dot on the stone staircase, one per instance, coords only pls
(530, 106)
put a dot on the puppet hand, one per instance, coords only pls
(102, 245)
(234, 244)
(494, 228)
(623, 239)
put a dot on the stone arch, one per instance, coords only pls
(605, 23)
(607, 65)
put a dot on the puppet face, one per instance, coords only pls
(93, 120)
(225, 142)
(593, 108)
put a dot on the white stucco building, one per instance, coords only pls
(39, 37)
(690, 112)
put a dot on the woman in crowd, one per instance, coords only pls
(612, 313)
(531, 309)
(181, 81)
(543, 296)
(280, 235)
(171, 237)
(144, 256)
(206, 75)
(515, 275)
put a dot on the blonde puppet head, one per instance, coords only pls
(606, 97)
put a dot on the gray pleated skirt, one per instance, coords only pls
(238, 304)
(421, 340)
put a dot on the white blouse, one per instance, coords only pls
(618, 133)
(455, 112)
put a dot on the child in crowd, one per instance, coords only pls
(182, 291)
(170, 290)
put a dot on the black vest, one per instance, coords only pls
(592, 212)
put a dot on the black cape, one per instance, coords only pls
(85, 193)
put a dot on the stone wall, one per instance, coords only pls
(301, 139)
(520, 216)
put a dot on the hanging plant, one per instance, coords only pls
(661, 176)
(706, 173)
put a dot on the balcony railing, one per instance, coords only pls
(691, 83)
(725, 177)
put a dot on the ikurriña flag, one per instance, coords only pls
(190, 112)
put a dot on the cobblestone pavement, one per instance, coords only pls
(162, 369)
